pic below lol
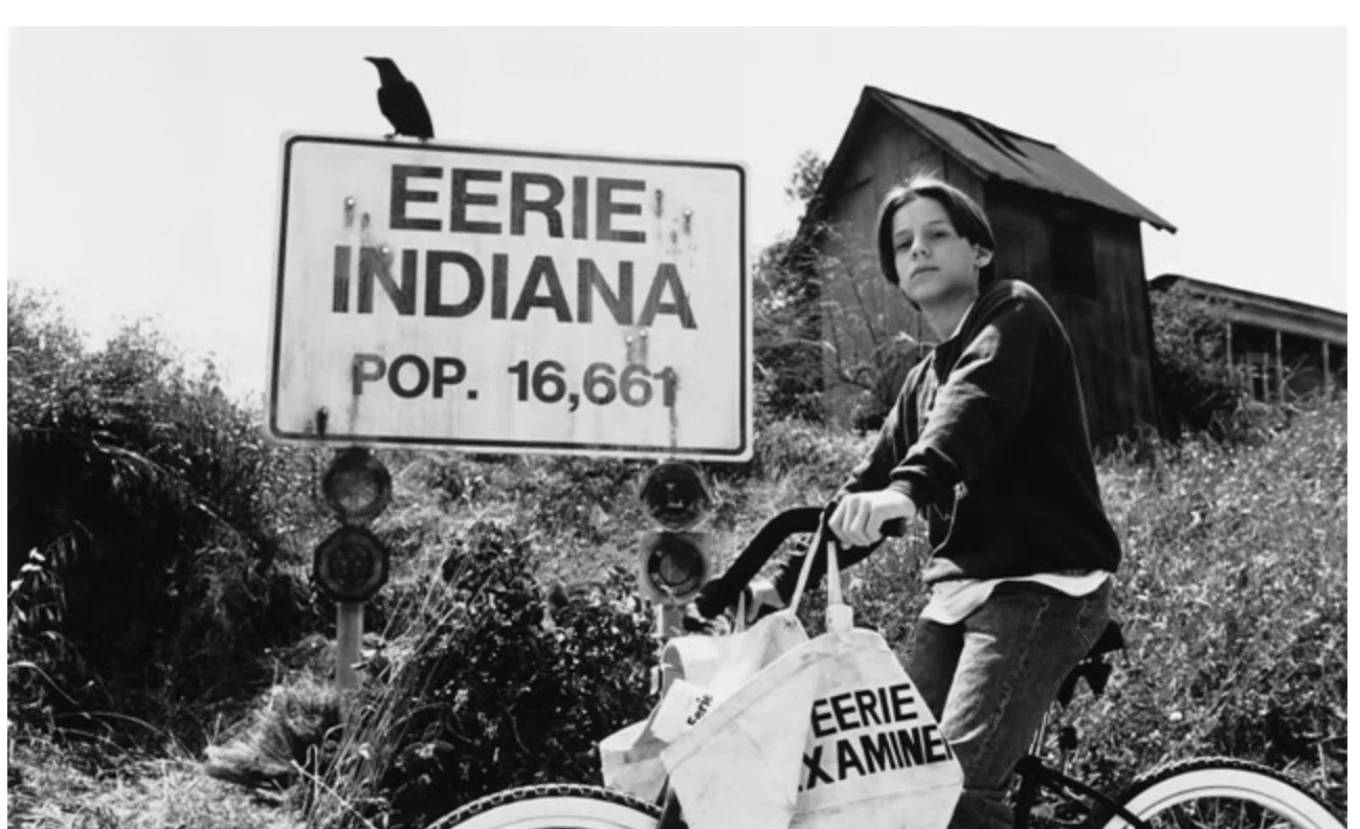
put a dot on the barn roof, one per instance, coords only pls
(996, 153)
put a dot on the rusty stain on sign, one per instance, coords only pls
(660, 196)
(356, 389)
(689, 220)
(349, 211)
(636, 347)
(674, 417)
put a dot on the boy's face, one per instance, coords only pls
(934, 263)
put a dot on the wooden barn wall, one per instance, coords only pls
(889, 152)
(1109, 331)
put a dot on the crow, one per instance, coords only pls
(401, 103)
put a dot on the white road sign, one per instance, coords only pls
(510, 301)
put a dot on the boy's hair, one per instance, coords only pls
(968, 219)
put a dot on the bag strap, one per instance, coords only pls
(833, 574)
(834, 595)
(840, 616)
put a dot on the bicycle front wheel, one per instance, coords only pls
(1221, 793)
(554, 806)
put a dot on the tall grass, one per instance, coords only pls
(1233, 596)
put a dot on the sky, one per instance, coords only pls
(144, 171)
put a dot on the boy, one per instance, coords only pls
(988, 443)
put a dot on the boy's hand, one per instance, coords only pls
(860, 515)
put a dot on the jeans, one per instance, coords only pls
(990, 679)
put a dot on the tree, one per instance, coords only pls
(1199, 391)
(788, 343)
(819, 329)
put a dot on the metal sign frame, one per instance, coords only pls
(318, 431)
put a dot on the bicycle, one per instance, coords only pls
(1199, 792)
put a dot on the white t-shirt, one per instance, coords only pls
(952, 601)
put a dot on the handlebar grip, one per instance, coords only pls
(894, 528)
(722, 592)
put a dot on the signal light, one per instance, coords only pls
(673, 565)
(351, 564)
(357, 485)
(674, 562)
(675, 495)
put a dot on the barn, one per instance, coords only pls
(1059, 226)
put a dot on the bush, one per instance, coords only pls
(146, 512)
(1198, 391)
(787, 322)
(492, 682)
(1233, 598)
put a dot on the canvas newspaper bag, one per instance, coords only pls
(715, 667)
(874, 756)
(861, 749)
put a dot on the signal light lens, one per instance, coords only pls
(675, 565)
(350, 565)
(357, 485)
(675, 496)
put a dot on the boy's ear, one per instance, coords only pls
(982, 256)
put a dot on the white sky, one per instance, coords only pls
(144, 163)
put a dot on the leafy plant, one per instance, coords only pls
(157, 512)
(1199, 391)
(489, 681)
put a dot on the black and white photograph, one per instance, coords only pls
(612, 426)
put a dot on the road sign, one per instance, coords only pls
(510, 301)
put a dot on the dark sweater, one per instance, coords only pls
(988, 438)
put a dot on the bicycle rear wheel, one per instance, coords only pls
(553, 806)
(1221, 793)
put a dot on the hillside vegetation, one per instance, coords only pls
(160, 610)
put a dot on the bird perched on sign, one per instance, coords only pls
(401, 103)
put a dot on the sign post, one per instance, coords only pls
(510, 301)
(349, 630)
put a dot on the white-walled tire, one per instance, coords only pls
(554, 806)
(1221, 793)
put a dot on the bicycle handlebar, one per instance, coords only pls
(724, 591)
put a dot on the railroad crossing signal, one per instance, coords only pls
(351, 564)
(675, 561)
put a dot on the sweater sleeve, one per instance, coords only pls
(873, 471)
(871, 474)
(981, 401)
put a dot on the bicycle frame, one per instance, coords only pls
(1034, 775)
